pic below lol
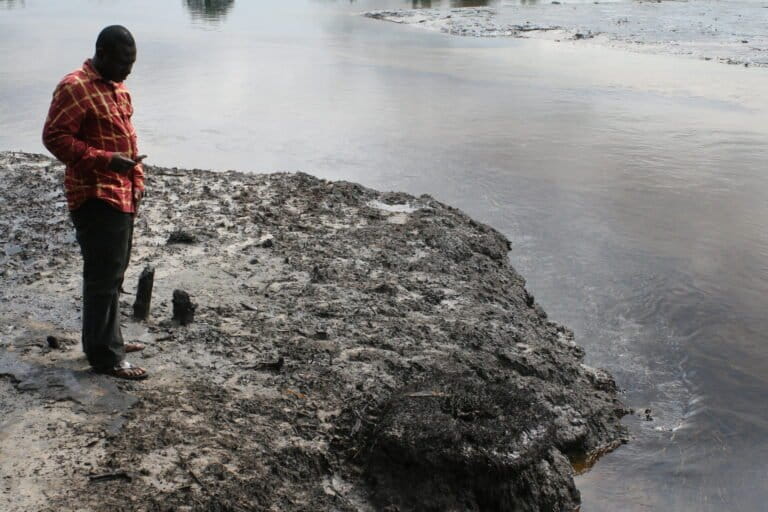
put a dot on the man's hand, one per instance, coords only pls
(121, 164)
(138, 195)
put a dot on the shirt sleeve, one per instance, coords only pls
(60, 133)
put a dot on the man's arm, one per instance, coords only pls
(65, 117)
(138, 182)
(138, 174)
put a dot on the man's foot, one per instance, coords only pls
(125, 370)
(133, 347)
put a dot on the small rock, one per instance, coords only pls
(53, 342)
(318, 275)
(183, 308)
(434, 297)
(181, 237)
(530, 300)
(386, 288)
(275, 366)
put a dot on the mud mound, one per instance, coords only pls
(351, 350)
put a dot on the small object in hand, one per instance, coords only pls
(183, 308)
(53, 342)
(120, 163)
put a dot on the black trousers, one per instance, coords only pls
(105, 236)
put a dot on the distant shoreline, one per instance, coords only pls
(550, 21)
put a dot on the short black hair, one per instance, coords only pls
(114, 36)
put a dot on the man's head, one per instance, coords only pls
(115, 53)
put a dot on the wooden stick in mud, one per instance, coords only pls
(115, 475)
(144, 293)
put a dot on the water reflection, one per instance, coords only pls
(426, 4)
(12, 4)
(209, 10)
(470, 3)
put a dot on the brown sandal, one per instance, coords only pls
(134, 347)
(125, 370)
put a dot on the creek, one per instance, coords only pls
(631, 185)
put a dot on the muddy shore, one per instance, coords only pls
(352, 350)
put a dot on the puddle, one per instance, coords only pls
(91, 392)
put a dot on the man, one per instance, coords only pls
(89, 129)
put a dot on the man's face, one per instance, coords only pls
(116, 63)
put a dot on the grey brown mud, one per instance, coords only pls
(379, 353)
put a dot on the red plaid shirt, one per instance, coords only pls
(90, 120)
